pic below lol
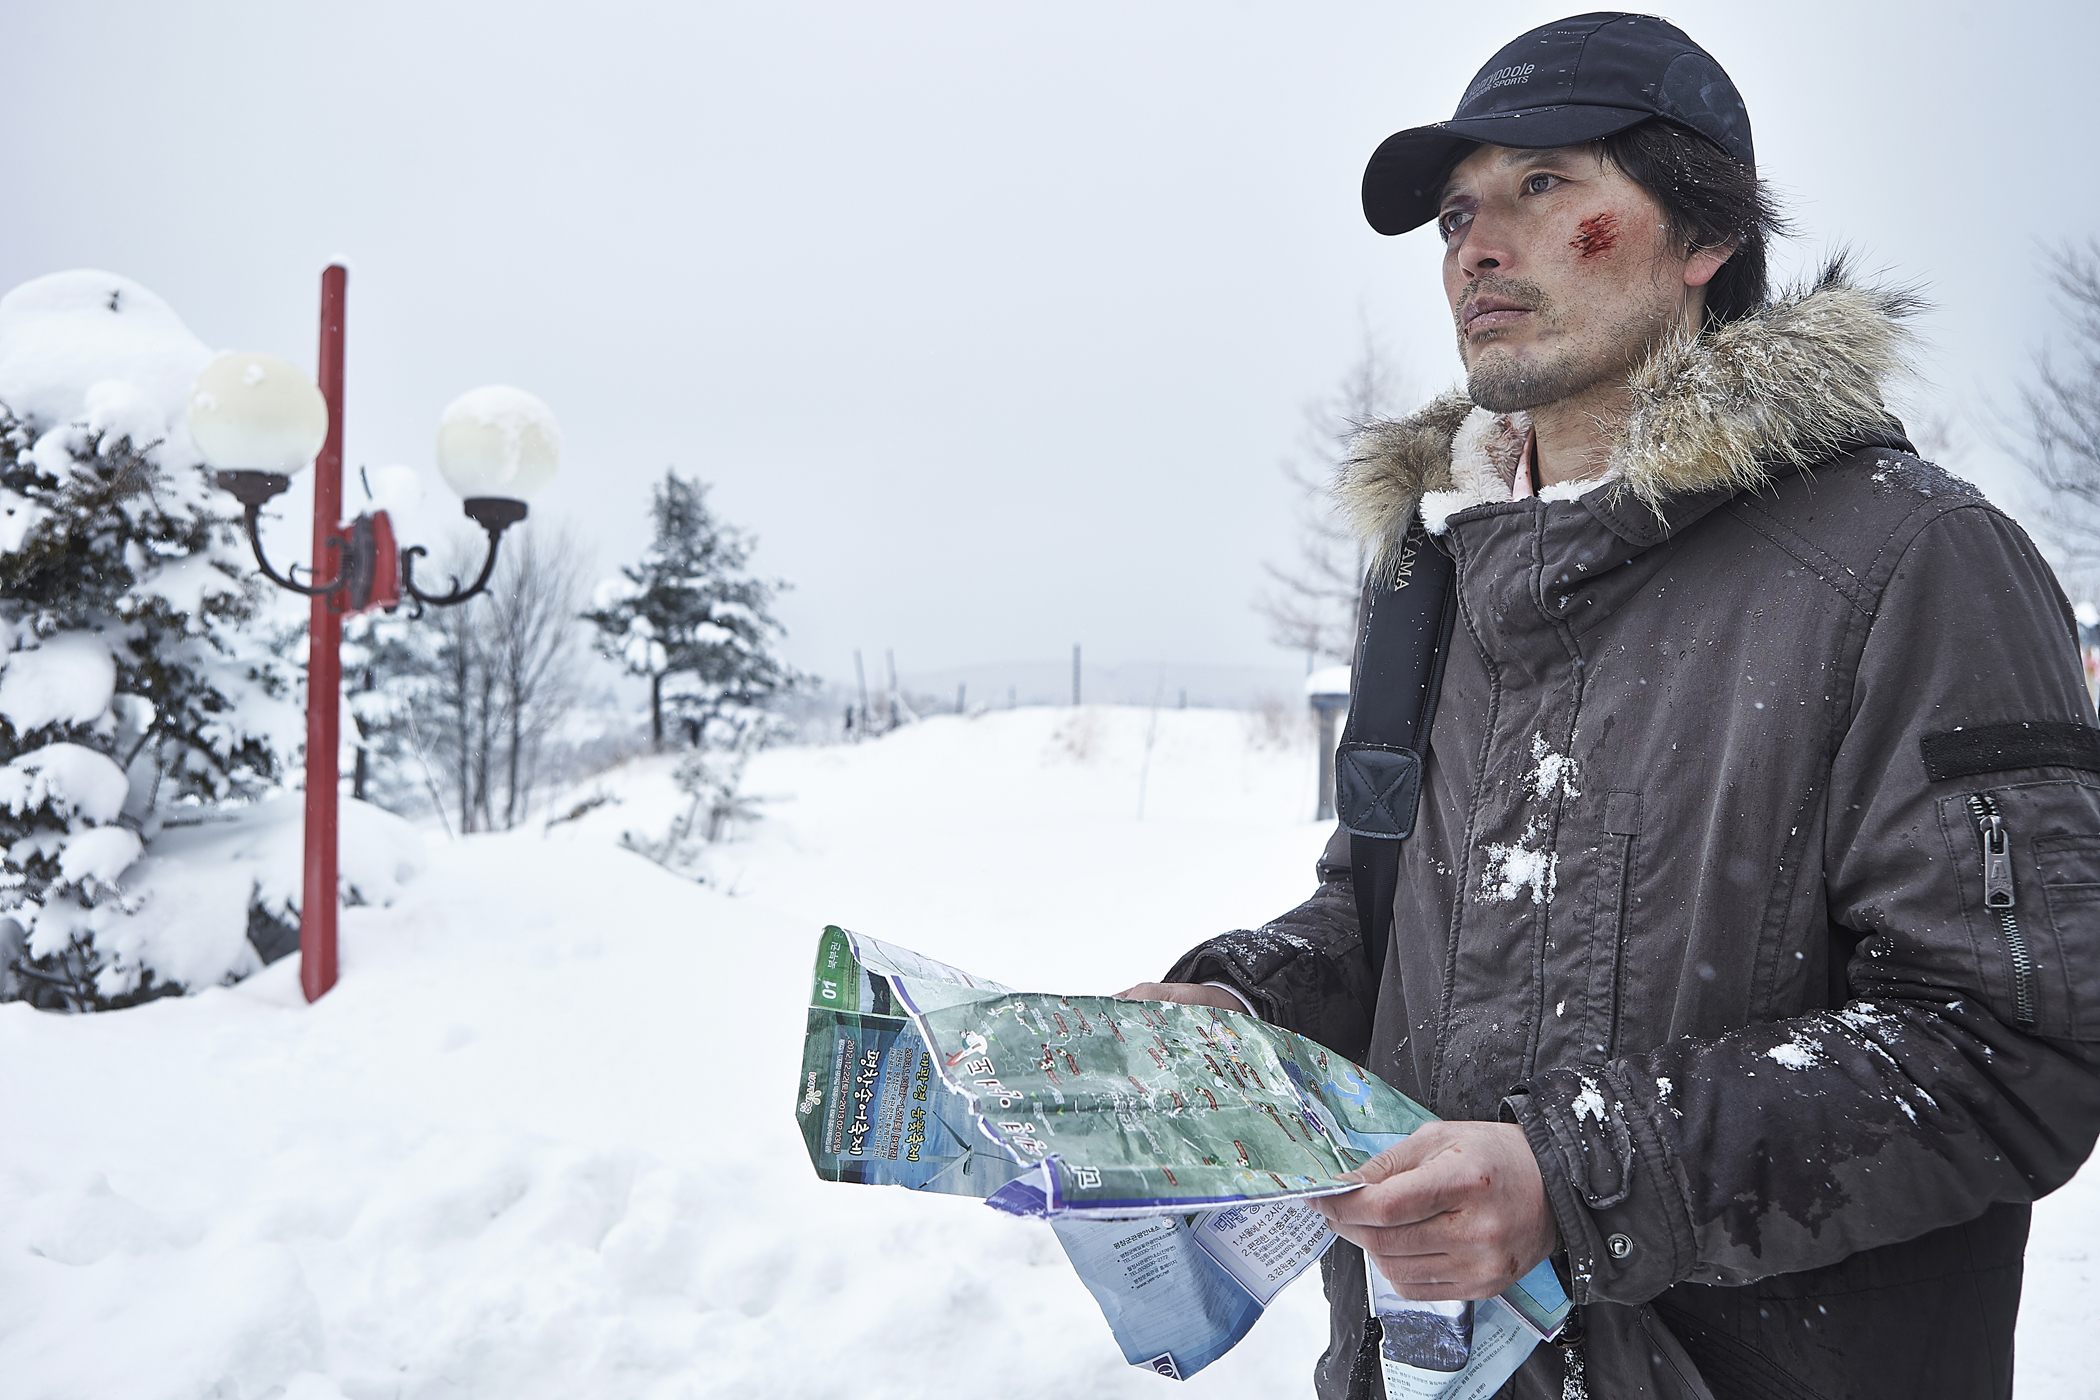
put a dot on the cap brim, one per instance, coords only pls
(1405, 178)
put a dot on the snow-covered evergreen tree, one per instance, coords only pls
(693, 620)
(129, 690)
(391, 669)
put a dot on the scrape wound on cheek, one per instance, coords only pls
(1596, 234)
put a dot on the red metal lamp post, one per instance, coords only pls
(258, 420)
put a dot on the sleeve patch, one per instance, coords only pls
(1993, 748)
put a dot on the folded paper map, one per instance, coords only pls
(1171, 1147)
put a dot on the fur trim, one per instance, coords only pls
(1391, 464)
(1485, 454)
(1776, 391)
(1781, 389)
(1576, 490)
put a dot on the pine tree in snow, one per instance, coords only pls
(132, 689)
(391, 668)
(693, 621)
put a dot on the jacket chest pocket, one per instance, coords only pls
(1603, 965)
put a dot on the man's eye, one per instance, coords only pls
(1540, 183)
(1452, 222)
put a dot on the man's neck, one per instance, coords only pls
(1572, 437)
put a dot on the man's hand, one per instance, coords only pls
(1187, 993)
(1457, 1210)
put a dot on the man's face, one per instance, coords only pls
(1561, 272)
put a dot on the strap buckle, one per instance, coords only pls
(1377, 788)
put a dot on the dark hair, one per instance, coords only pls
(1710, 198)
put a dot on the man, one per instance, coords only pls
(1749, 932)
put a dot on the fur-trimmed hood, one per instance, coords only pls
(1779, 390)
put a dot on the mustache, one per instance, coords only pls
(1529, 294)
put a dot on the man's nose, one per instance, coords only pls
(1485, 249)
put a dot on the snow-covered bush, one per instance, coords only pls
(712, 777)
(132, 683)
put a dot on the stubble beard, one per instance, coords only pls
(1505, 384)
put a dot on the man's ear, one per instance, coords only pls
(1705, 262)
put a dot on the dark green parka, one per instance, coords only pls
(1696, 893)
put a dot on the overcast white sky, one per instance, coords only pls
(991, 320)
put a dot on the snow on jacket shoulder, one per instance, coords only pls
(1699, 892)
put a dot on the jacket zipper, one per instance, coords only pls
(1998, 898)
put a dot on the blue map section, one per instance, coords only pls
(875, 1111)
(1162, 1293)
(1337, 1093)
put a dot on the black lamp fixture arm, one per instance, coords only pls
(252, 489)
(495, 514)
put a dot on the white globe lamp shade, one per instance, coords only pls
(256, 413)
(497, 441)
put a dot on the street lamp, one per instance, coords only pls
(259, 421)
(495, 447)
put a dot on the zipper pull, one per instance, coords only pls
(1997, 865)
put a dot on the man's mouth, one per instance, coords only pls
(1488, 311)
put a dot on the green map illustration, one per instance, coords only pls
(1131, 1105)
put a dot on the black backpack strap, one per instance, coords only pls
(1392, 699)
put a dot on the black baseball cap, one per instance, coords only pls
(1564, 83)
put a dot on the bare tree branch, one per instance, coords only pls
(530, 649)
(1311, 603)
(2061, 411)
(503, 672)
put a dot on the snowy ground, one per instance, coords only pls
(539, 1140)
